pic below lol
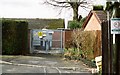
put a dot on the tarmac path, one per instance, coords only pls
(42, 64)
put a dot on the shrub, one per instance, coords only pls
(22, 36)
(99, 7)
(74, 25)
(87, 43)
(14, 37)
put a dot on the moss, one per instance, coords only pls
(56, 24)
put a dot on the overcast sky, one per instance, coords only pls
(34, 9)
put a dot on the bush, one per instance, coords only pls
(99, 7)
(22, 36)
(84, 41)
(14, 38)
(87, 43)
(74, 25)
(87, 46)
(72, 54)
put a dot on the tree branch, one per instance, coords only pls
(65, 4)
(70, 4)
(57, 3)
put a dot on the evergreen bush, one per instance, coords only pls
(14, 37)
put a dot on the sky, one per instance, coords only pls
(35, 9)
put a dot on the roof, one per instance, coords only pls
(36, 23)
(100, 15)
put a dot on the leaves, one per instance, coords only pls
(76, 24)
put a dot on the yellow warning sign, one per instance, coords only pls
(40, 33)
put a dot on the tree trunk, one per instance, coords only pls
(75, 7)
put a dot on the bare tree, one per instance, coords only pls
(74, 4)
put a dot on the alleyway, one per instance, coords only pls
(42, 63)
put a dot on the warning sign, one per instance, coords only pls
(40, 33)
(115, 26)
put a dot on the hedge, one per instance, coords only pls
(14, 37)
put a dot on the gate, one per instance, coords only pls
(46, 41)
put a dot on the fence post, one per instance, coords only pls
(31, 40)
(118, 54)
(1, 37)
(110, 39)
(104, 48)
(61, 40)
(116, 14)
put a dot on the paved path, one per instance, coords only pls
(42, 63)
